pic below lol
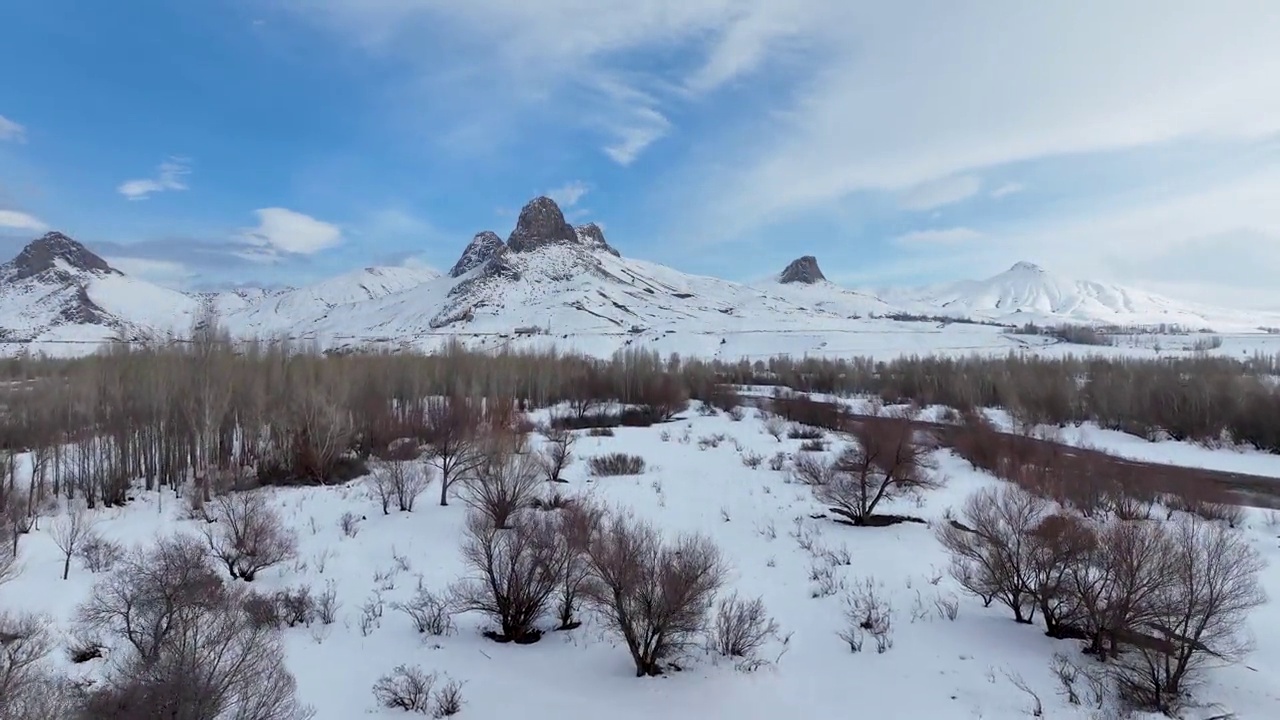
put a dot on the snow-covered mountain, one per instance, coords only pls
(552, 283)
(1028, 293)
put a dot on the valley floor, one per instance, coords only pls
(936, 668)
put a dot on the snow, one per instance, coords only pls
(935, 669)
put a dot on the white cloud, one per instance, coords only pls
(21, 221)
(949, 236)
(936, 193)
(161, 272)
(10, 130)
(568, 195)
(170, 175)
(1009, 188)
(282, 230)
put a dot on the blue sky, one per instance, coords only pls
(280, 141)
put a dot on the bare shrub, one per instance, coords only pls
(652, 594)
(189, 643)
(616, 464)
(741, 627)
(813, 469)
(887, 461)
(803, 432)
(349, 524)
(778, 462)
(1080, 685)
(431, 614)
(867, 614)
(737, 413)
(1037, 707)
(296, 606)
(70, 532)
(408, 479)
(775, 427)
(506, 481)
(947, 607)
(557, 454)
(448, 700)
(327, 603)
(248, 535)
(600, 432)
(752, 460)
(99, 554)
(514, 574)
(988, 556)
(407, 688)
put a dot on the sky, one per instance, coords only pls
(221, 142)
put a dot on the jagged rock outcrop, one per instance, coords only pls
(540, 223)
(43, 255)
(482, 247)
(592, 237)
(804, 270)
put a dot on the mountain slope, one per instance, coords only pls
(1028, 293)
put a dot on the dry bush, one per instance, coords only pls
(813, 469)
(654, 595)
(99, 554)
(616, 464)
(296, 607)
(752, 460)
(600, 432)
(25, 642)
(886, 462)
(778, 461)
(431, 614)
(187, 644)
(448, 700)
(327, 603)
(557, 454)
(662, 398)
(804, 432)
(349, 524)
(741, 628)
(248, 535)
(775, 427)
(867, 613)
(399, 482)
(989, 553)
(504, 482)
(514, 574)
(412, 689)
(70, 532)
(725, 398)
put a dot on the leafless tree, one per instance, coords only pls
(557, 454)
(453, 426)
(653, 595)
(25, 642)
(1210, 584)
(401, 481)
(887, 460)
(505, 481)
(1118, 586)
(248, 535)
(990, 553)
(514, 573)
(576, 524)
(10, 567)
(71, 532)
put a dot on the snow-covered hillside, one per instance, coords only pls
(550, 282)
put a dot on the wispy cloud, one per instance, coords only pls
(170, 175)
(281, 230)
(12, 131)
(936, 193)
(1009, 188)
(568, 195)
(21, 221)
(161, 272)
(948, 236)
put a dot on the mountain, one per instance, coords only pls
(58, 291)
(551, 283)
(1027, 292)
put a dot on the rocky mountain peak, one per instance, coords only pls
(592, 236)
(1026, 267)
(803, 269)
(482, 247)
(541, 223)
(43, 254)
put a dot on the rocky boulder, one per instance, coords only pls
(802, 270)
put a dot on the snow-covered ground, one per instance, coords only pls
(937, 668)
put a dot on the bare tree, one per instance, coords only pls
(25, 642)
(887, 460)
(401, 481)
(248, 535)
(1210, 586)
(989, 553)
(653, 595)
(514, 573)
(453, 427)
(557, 454)
(505, 481)
(71, 532)
(9, 565)
(576, 525)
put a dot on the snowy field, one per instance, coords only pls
(936, 667)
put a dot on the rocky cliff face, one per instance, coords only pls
(541, 223)
(802, 270)
(54, 252)
(591, 236)
(482, 247)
